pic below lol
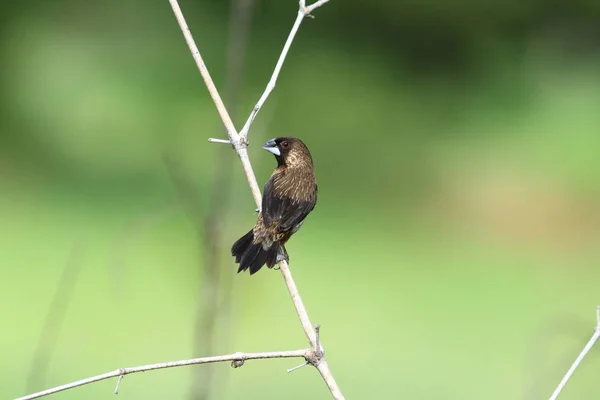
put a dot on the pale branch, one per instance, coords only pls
(580, 357)
(309, 330)
(236, 141)
(223, 141)
(302, 13)
(212, 89)
(240, 143)
(309, 9)
(273, 80)
(305, 363)
(314, 355)
(118, 383)
(237, 360)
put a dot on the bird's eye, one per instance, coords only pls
(285, 144)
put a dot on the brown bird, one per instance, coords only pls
(289, 196)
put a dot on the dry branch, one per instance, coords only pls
(580, 357)
(240, 144)
(237, 359)
(315, 354)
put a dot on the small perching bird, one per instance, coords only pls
(289, 196)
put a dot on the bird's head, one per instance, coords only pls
(289, 151)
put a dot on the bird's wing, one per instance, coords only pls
(285, 210)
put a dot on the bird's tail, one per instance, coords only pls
(252, 255)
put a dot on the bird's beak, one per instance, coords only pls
(271, 147)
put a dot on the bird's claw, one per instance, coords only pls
(282, 255)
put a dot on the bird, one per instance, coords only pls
(290, 195)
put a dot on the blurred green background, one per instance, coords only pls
(454, 249)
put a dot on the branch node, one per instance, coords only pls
(320, 353)
(308, 9)
(121, 376)
(316, 353)
(239, 361)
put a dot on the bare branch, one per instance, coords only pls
(118, 383)
(212, 89)
(314, 355)
(302, 12)
(309, 331)
(121, 372)
(273, 80)
(579, 358)
(240, 145)
(309, 9)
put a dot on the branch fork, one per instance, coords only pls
(315, 355)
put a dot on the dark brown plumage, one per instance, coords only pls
(289, 196)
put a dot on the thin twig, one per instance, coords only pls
(118, 383)
(304, 364)
(212, 89)
(309, 9)
(273, 80)
(558, 325)
(302, 12)
(121, 372)
(309, 330)
(239, 145)
(579, 358)
(223, 141)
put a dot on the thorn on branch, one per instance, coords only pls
(298, 367)
(119, 380)
(223, 141)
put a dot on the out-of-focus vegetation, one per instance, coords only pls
(454, 250)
